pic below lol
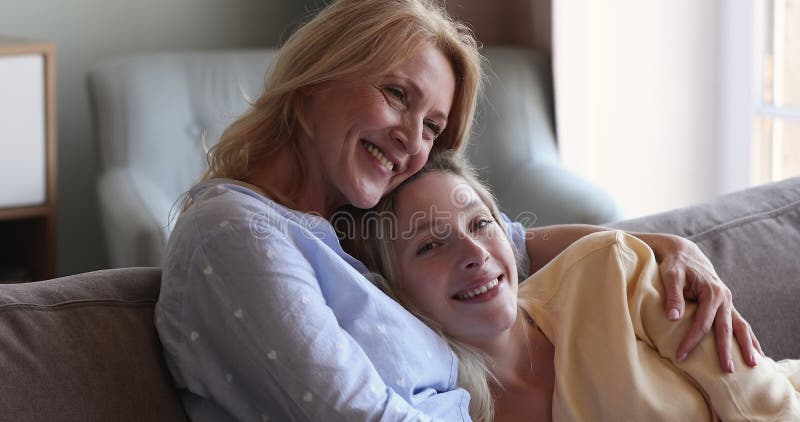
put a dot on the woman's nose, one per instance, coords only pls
(408, 135)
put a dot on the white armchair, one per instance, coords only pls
(151, 111)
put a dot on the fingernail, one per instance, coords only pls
(753, 359)
(682, 357)
(730, 366)
(673, 314)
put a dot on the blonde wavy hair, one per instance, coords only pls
(347, 39)
(368, 236)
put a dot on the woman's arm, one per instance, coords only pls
(686, 274)
(544, 243)
(248, 332)
(765, 392)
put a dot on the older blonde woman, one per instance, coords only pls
(261, 314)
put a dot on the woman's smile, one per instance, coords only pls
(379, 156)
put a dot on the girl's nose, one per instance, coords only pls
(474, 254)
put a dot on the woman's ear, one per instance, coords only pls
(309, 91)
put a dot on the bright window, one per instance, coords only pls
(776, 140)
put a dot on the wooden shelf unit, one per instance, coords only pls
(28, 226)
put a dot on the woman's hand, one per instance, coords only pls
(687, 274)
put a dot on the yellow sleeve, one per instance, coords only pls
(601, 304)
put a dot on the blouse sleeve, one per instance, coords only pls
(517, 235)
(600, 302)
(248, 335)
(763, 392)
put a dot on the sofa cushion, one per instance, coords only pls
(84, 348)
(753, 239)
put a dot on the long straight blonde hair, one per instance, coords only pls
(368, 235)
(347, 39)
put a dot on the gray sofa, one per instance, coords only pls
(84, 347)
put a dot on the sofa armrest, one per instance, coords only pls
(752, 237)
(135, 218)
(84, 348)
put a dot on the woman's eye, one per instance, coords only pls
(435, 129)
(427, 248)
(396, 92)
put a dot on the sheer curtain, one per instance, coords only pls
(653, 97)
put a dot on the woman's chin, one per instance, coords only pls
(364, 203)
(366, 199)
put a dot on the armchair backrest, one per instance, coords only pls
(515, 120)
(150, 113)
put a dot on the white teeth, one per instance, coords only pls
(379, 156)
(479, 290)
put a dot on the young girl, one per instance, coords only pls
(584, 338)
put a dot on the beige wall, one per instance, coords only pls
(86, 31)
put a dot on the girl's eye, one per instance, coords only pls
(427, 248)
(482, 223)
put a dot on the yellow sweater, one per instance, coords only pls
(601, 304)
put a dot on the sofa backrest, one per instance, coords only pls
(752, 237)
(84, 348)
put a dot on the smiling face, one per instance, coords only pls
(367, 136)
(453, 262)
